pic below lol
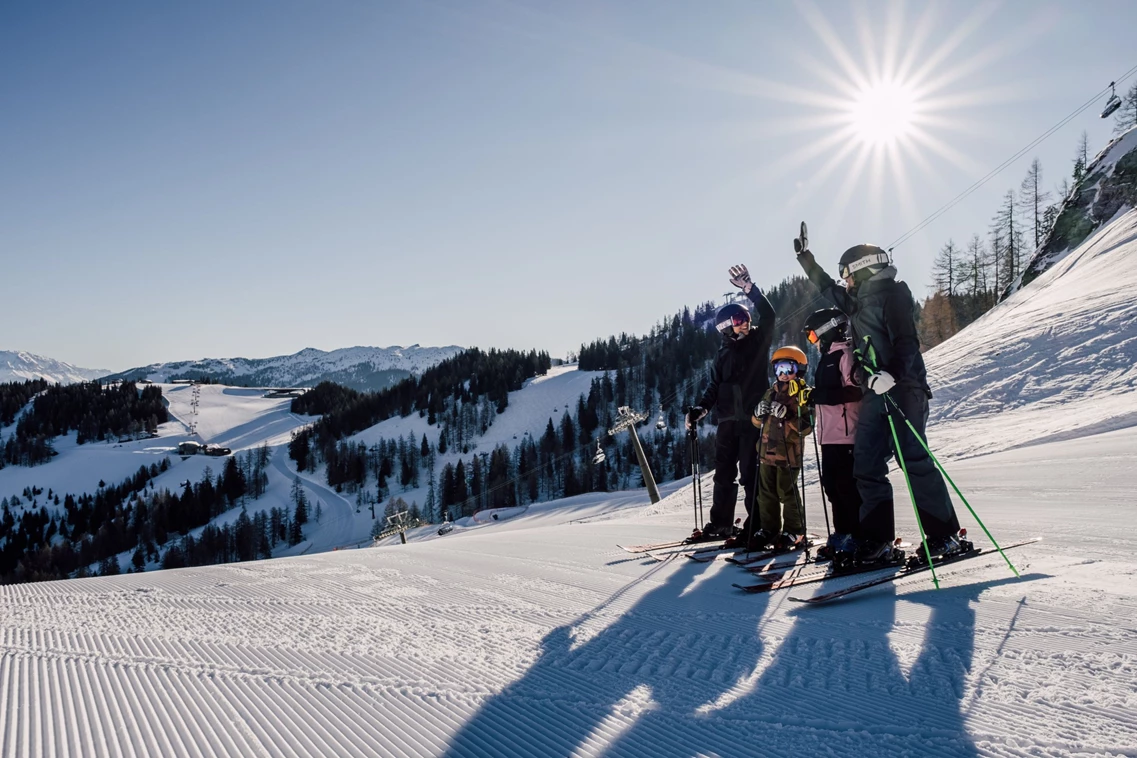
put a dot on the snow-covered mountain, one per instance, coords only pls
(363, 368)
(534, 635)
(17, 366)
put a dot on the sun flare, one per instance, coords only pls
(883, 113)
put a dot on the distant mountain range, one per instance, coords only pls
(18, 366)
(362, 368)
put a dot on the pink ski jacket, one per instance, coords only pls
(836, 396)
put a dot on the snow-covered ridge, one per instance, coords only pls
(1056, 360)
(1108, 189)
(363, 368)
(18, 366)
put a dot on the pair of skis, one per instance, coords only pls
(895, 572)
(677, 545)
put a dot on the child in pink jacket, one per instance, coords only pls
(837, 400)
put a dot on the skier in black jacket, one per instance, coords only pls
(881, 310)
(738, 381)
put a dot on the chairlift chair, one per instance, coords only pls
(661, 424)
(1113, 103)
(600, 457)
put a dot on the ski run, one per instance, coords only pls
(537, 636)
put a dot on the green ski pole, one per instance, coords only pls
(870, 361)
(953, 485)
(912, 496)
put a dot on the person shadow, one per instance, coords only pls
(675, 676)
(674, 649)
(851, 680)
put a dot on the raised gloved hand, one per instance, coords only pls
(777, 410)
(762, 410)
(880, 382)
(801, 243)
(694, 416)
(740, 278)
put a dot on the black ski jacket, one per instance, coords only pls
(881, 309)
(740, 376)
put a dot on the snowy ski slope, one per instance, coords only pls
(536, 636)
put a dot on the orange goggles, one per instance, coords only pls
(814, 335)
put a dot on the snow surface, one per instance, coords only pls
(18, 366)
(534, 635)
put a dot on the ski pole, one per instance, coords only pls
(753, 511)
(939, 466)
(870, 361)
(693, 451)
(821, 483)
(697, 481)
(912, 495)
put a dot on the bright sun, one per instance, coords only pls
(883, 113)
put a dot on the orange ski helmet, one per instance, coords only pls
(790, 353)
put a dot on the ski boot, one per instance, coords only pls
(709, 533)
(942, 548)
(835, 544)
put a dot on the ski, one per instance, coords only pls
(706, 556)
(669, 546)
(776, 579)
(909, 571)
(780, 580)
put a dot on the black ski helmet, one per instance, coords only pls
(730, 316)
(826, 326)
(862, 261)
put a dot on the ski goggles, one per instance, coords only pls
(785, 368)
(814, 335)
(739, 319)
(873, 259)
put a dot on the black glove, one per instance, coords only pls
(777, 410)
(801, 243)
(695, 415)
(762, 410)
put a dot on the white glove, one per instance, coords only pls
(694, 416)
(740, 278)
(777, 410)
(801, 243)
(880, 382)
(763, 409)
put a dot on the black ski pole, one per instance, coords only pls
(696, 485)
(753, 502)
(821, 483)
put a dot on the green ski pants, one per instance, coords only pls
(777, 487)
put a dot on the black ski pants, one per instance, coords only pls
(736, 455)
(841, 487)
(874, 446)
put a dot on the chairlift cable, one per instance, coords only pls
(998, 169)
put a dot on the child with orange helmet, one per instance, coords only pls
(784, 419)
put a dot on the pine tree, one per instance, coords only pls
(1081, 158)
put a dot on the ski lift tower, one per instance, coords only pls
(397, 523)
(195, 401)
(627, 420)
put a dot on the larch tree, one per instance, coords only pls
(1033, 201)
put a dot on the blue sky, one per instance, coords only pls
(182, 180)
